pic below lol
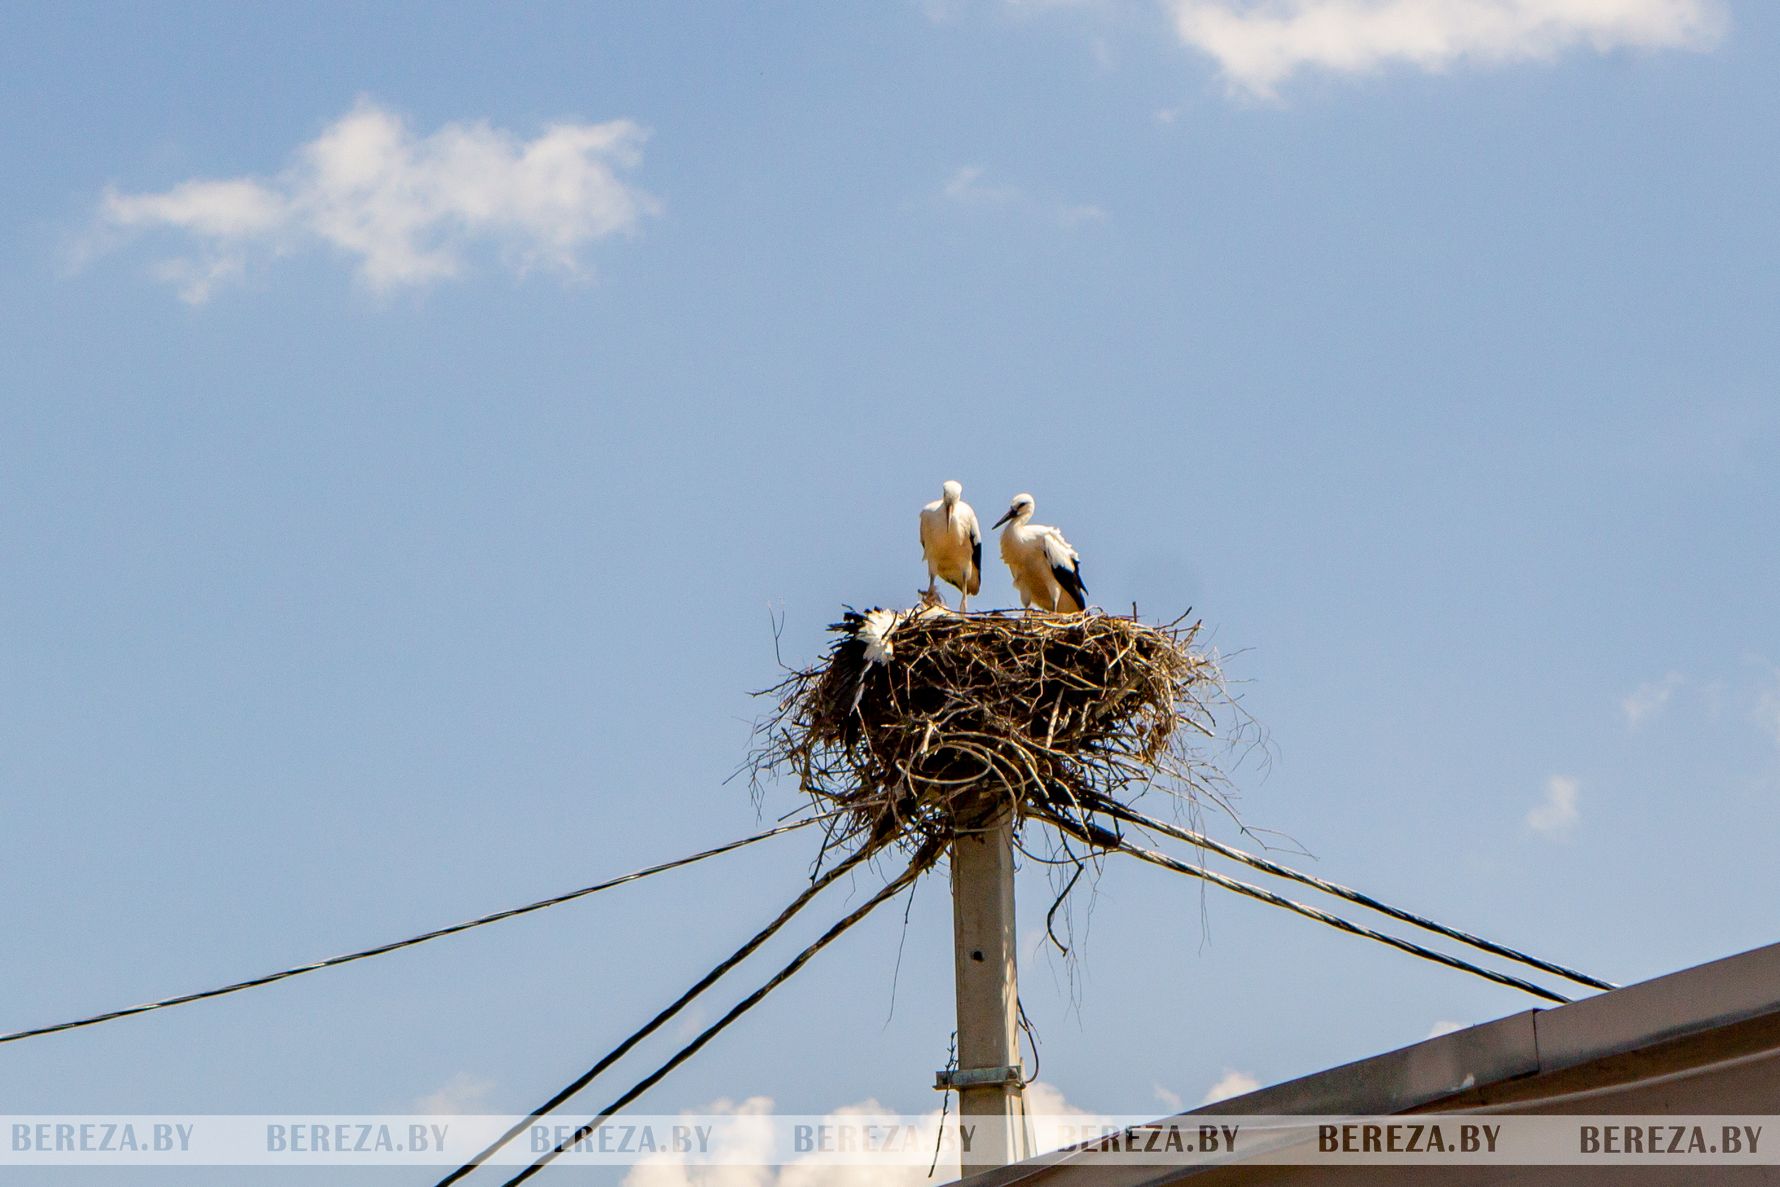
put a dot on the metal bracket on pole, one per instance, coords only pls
(974, 1077)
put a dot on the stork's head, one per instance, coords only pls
(1020, 510)
(949, 493)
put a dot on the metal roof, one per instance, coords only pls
(1690, 1041)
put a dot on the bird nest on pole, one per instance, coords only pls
(917, 725)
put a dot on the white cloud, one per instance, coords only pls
(463, 1093)
(1046, 1100)
(1169, 1099)
(404, 208)
(968, 188)
(1259, 44)
(197, 279)
(1233, 1083)
(217, 209)
(1556, 815)
(1046, 1106)
(745, 1139)
(971, 186)
(1649, 699)
(1444, 1027)
(744, 1136)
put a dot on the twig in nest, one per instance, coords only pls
(923, 724)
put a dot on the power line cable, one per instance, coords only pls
(397, 945)
(917, 865)
(1131, 816)
(1335, 921)
(816, 886)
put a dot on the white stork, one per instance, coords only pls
(865, 642)
(953, 544)
(1047, 571)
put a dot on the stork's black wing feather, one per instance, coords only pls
(1070, 578)
(848, 653)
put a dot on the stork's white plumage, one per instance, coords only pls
(953, 543)
(864, 645)
(1047, 571)
(874, 634)
(865, 642)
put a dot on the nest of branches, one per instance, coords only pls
(917, 725)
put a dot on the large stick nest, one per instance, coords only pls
(917, 725)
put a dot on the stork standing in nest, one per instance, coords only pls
(1047, 571)
(953, 544)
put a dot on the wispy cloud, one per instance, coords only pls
(1259, 44)
(1169, 1099)
(1444, 1027)
(1754, 699)
(1648, 700)
(968, 187)
(971, 186)
(463, 1093)
(1557, 813)
(404, 208)
(1233, 1083)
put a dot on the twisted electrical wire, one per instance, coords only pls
(1131, 816)
(917, 865)
(397, 945)
(1321, 916)
(816, 886)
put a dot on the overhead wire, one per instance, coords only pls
(816, 886)
(1320, 916)
(411, 941)
(1193, 837)
(1092, 834)
(917, 865)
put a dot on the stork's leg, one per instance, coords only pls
(963, 602)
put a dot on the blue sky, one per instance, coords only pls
(413, 418)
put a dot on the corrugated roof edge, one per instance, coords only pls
(1533, 1042)
(1691, 1001)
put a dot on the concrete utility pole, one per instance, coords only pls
(991, 1104)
